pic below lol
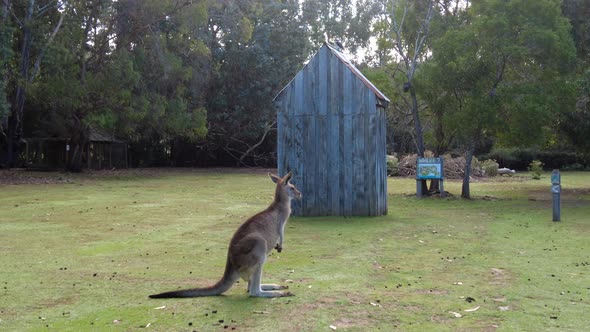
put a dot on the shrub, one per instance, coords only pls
(512, 158)
(392, 166)
(536, 167)
(519, 158)
(574, 167)
(490, 167)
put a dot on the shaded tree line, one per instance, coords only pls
(163, 75)
(191, 82)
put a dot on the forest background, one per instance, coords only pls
(191, 82)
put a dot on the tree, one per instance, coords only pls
(404, 27)
(5, 54)
(249, 67)
(124, 68)
(27, 20)
(575, 124)
(345, 21)
(499, 69)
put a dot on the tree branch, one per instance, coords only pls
(7, 5)
(37, 65)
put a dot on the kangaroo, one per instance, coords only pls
(250, 245)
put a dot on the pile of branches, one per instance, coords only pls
(454, 167)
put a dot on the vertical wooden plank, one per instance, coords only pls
(380, 179)
(333, 166)
(299, 94)
(283, 143)
(285, 103)
(347, 160)
(296, 161)
(372, 171)
(311, 86)
(309, 162)
(358, 150)
(336, 86)
(383, 140)
(324, 84)
(358, 166)
(345, 144)
(322, 136)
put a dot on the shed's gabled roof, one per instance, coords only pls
(353, 69)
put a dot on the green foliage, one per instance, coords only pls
(574, 123)
(535, 168)
(490, 167)
(5, 55)
(392, 165)
(520, 158)
(162, 72)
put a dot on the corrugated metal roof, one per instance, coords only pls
(353, 69)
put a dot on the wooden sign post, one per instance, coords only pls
(429, 169)
(556, 191)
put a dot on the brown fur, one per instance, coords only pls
(250, 245)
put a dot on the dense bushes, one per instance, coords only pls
(392, 166)
(520, 159)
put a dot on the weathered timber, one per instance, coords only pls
(331, 135)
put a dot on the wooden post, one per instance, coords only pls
(441, 187)
(556, 190)
(419, 193)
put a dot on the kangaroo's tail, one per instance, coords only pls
(230, 276)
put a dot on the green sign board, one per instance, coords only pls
(429, 168)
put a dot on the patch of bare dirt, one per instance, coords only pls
(573, 197)
(499, 276)
(440, 319)
(21, 176)
(25, 176)
(433, 291)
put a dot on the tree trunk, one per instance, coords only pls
(15, 125)
(469, 155)
(417, 124)
(440, 146)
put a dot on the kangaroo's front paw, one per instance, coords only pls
(278, 247)
(285, 294)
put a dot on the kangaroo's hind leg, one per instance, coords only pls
(258, 290)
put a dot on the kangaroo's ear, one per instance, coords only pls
(274, 178)
(288, 177)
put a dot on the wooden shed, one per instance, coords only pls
(331, 135)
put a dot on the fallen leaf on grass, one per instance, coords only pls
(260, 312)
(472, 310)
(158, 308)
(456, 314)
(506, 308)
(458, 283)
(333, 328)
(375, 304)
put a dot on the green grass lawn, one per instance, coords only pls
(83, 252)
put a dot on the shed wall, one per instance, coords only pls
(331, 135)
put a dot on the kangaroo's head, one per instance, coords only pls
(284, 188)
